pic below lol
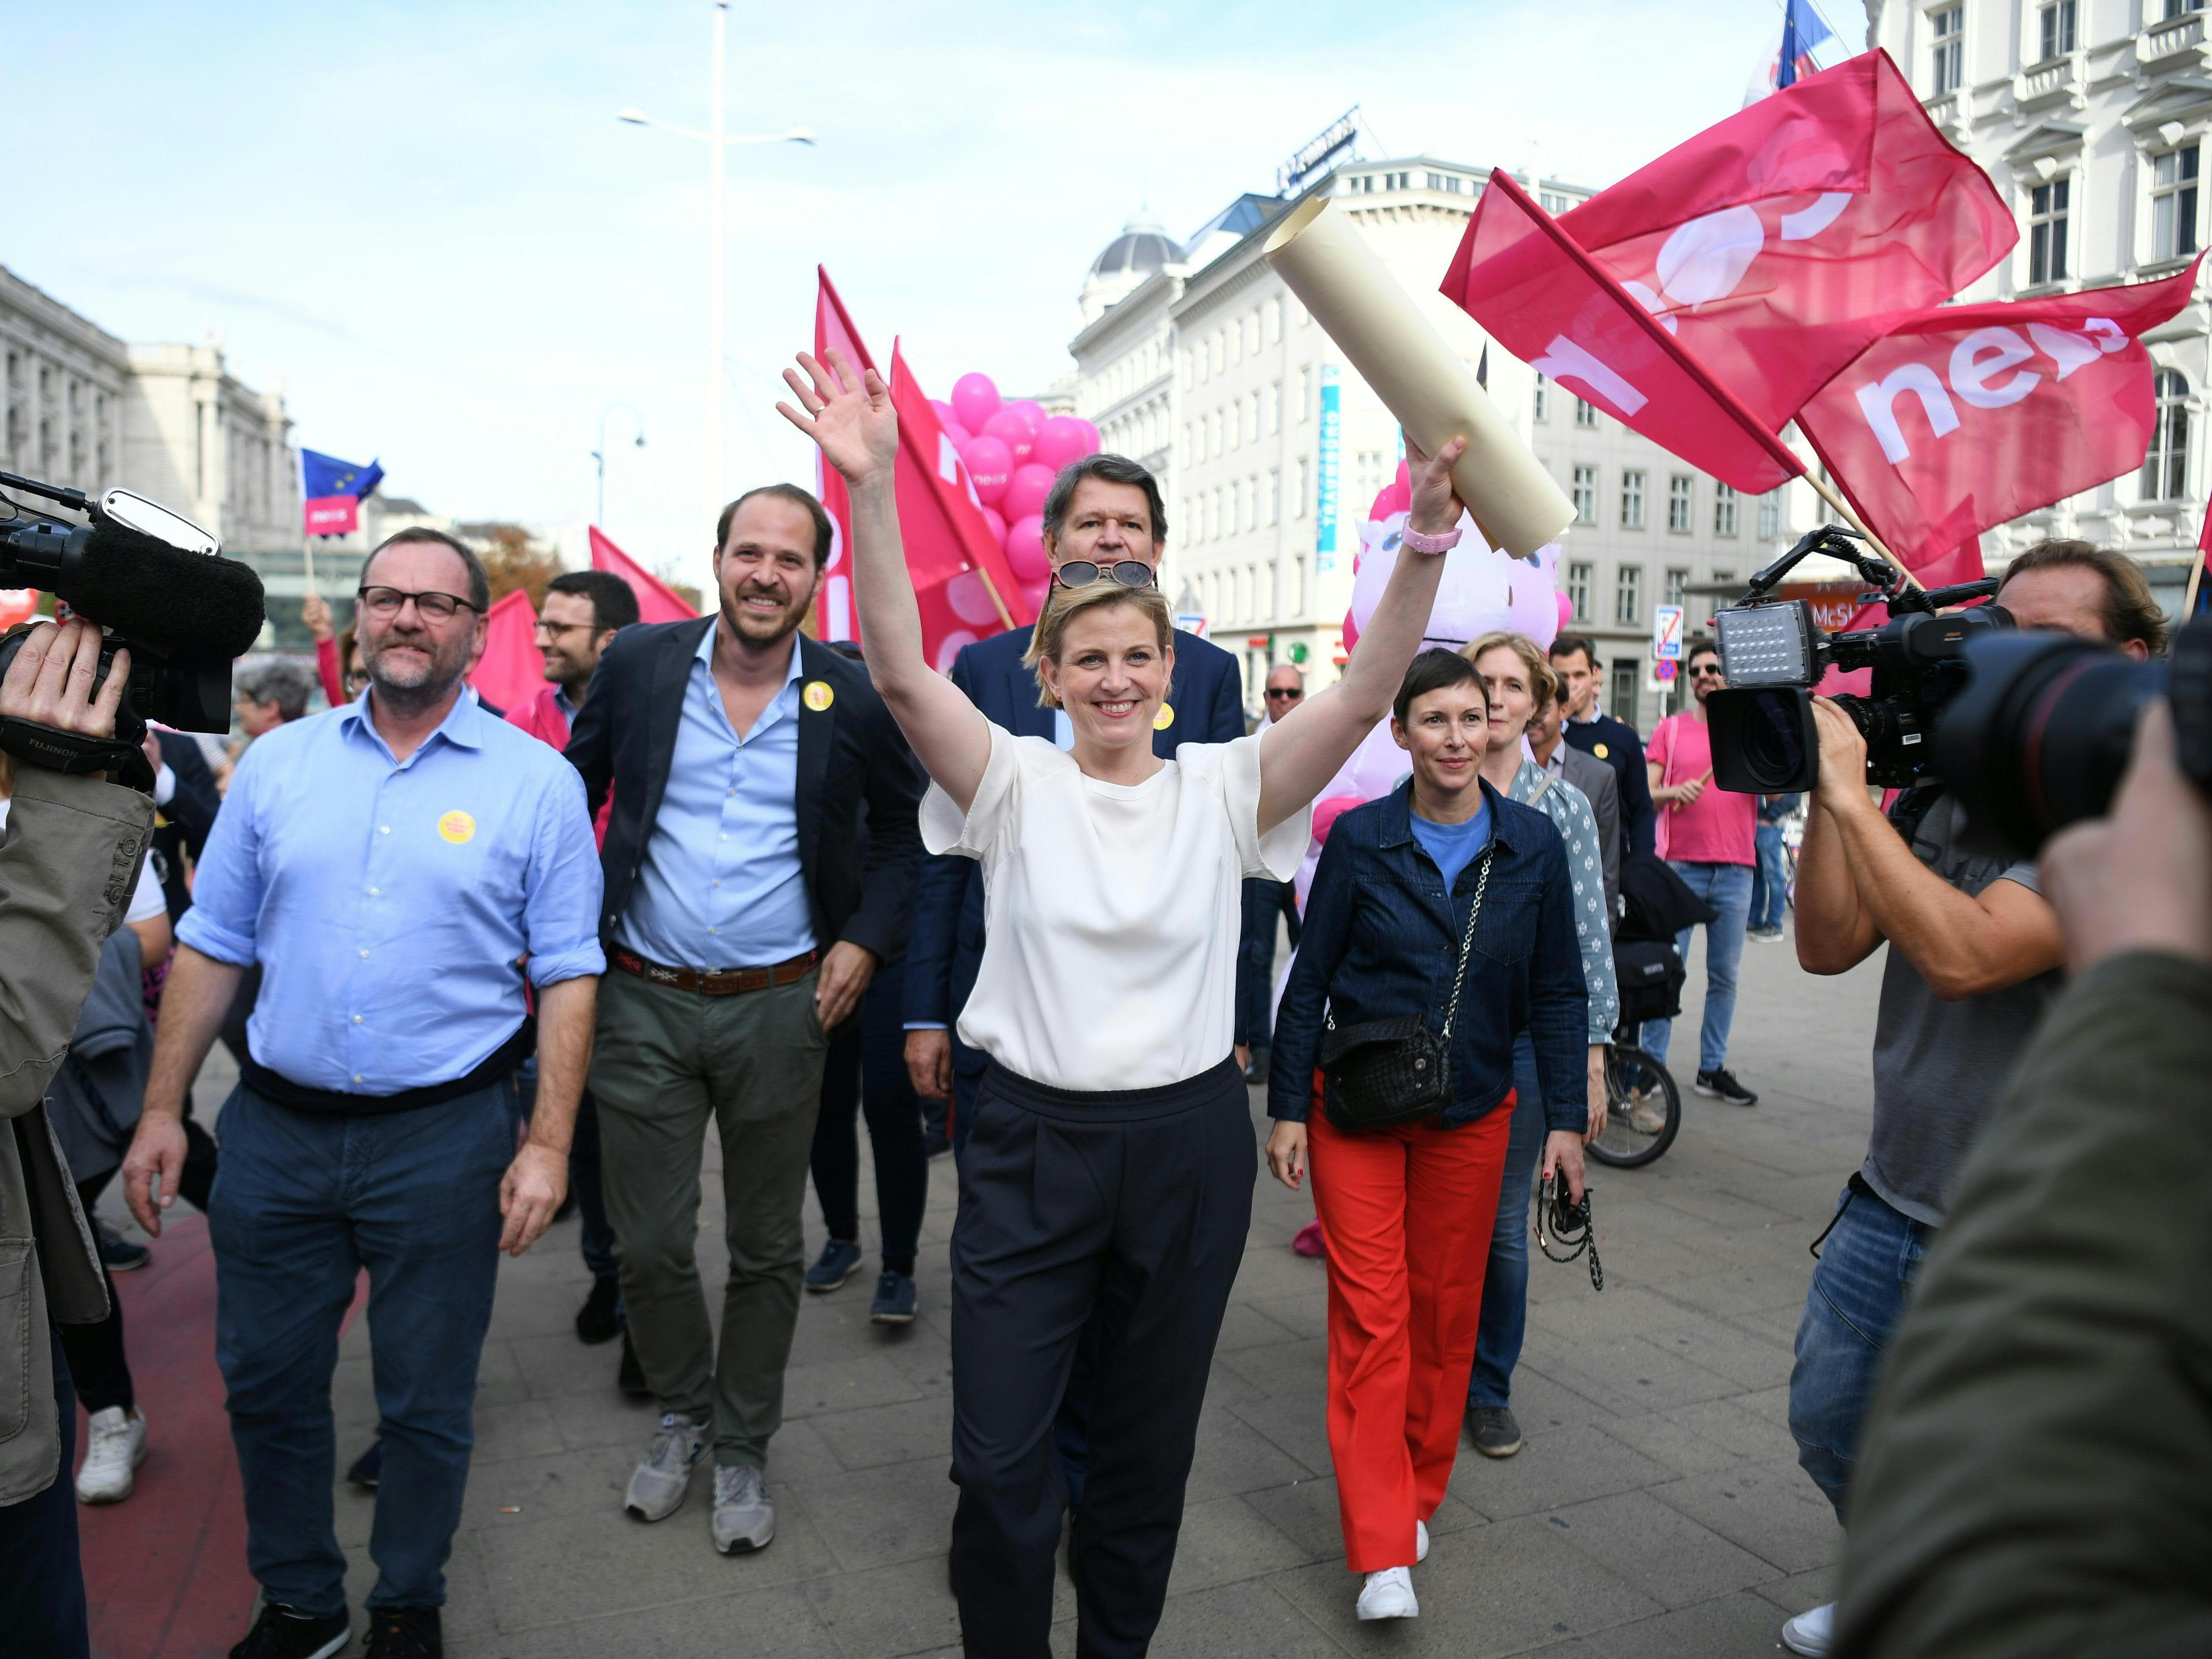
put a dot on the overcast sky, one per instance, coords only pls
(424, 221)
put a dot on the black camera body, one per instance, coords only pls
(154, 582)
(1774, 653)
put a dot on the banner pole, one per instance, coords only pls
(2196, 580)
(307, 552)
(1829, 493)
(999, 604)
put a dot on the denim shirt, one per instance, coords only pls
(1381, 938)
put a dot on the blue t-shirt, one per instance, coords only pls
(1454, 846)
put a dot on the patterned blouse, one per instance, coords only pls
(1568, 810)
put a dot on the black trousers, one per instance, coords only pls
(42, 1607)
(865, 1072)
(96, 1356)
(1134, 1205)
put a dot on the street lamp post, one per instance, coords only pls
(599, 455)
(718, 143)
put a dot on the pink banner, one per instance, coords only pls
(332, 515)
(656, 601)
(512, 669)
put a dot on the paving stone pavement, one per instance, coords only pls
(1656, 1510)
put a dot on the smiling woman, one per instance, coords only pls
(1109, 1164)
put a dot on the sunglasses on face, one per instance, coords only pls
(1291, 691)
(389, 601)
(1082, 573)
(1712, 668)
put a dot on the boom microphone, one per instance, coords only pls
(198, 603)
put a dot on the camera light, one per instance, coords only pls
(1766, 644)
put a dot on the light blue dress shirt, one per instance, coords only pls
(389, 903)
(721, 886)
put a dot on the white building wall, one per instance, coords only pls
(62, 381)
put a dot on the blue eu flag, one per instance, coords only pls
(324, 476)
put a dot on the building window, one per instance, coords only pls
(1543, 410)
(2047, 207)
(1622, 701)
(1949, 27)
(1678, 503)
(2166, 467)
(1306, 393)
(1275, 407)
(2181, 8)
(2058, 28)
(1585, 495)
(1722, 576)
(1631, 498)
(1585, 413)
(1628, 595)
(2173, 204)
(1273, 500)
(1578, 589)
(1724, 500)
(1298, 487)
(1678, 581)
(1770, 515)
(1553, 202)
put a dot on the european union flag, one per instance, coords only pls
(322, 476)
(1802, 29)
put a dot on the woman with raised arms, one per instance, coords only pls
(1111, 1159)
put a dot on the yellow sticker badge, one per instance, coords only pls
(458, 828)
(1164, 719)
(818, 695)
(1600, 750)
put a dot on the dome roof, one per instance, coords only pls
(1142, 248)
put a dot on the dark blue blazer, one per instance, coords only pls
(946, 947)
(1615, 743)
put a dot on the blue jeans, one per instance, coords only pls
(1727, 887)
(302, 1203)
(1505, 1280)
(41, 1583)
(1770, 890)
(1867, 1269)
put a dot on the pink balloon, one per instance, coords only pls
(996, 525)
(1008, 426)
(1025, 549)
(1033, 593)
(1031, 411)
(990, 464)
(1327, 812)
(946, 415)
(1090, 438)
(961, 436)
(975, 400)
(1060, 440)
(1026, 490)
(1566, 609)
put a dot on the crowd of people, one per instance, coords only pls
(718, 875)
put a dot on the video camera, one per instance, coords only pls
(158, 586)
(2031, 731)
(1773, 653)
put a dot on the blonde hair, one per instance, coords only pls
(1543, 678)
(1063, 605)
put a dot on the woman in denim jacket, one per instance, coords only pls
(1406, 1212)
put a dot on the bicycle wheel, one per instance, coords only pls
(1644, 1109)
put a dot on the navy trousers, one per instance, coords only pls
(866, 1074)
(1504, 1323)
(41, 1583)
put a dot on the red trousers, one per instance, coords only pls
(1406, 1215)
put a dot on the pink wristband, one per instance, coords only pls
(1420, 543)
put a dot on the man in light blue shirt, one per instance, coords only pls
(401, 868)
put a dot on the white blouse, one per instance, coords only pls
(1112, 911)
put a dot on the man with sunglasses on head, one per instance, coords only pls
(400, 868)
(1103, 521)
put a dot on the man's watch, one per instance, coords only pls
(1420, 543)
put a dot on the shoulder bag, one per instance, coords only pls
(1385, 1072)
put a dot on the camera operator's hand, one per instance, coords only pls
(2142, 879)
(50, 681)
(1843, 757)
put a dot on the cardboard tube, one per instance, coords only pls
(1329, 265)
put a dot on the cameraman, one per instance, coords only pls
(1975, 950)
(2034, 1481)
(68, 863)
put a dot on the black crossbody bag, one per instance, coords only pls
(1384, 1071)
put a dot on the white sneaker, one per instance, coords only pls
(1390, 1594)
(1420, 1542)
(116, 1446)
(1811, 1631)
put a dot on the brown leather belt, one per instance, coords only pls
(724, 982)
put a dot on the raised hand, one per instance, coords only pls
(1436, 508)
(849, 415)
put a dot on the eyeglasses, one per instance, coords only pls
(1082, 573)
(543, 627)
(387, 601)
(1291, 691)
(1712, 668)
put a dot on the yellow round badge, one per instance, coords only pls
(1164, 719)
(818, 695)
(1600, 750)
(457, 828)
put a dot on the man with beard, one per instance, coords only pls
(743, 920)
(398, 868)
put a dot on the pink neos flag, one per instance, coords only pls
(1772, 245)
(1520, 276)
(656, 601)
(512, 669)
(1961, 417)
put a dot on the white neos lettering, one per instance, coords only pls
(1808, 223)
(1706, 258)
(2070, 348)
(1647, 297)
(1985, 354)
(1878, 403)
(1563, 359)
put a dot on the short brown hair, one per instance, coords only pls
(2130, 611)
(1543, 680)
(421, 535)
(1063, 605)
(1700, 647)
(783, 492)
(1567, 644)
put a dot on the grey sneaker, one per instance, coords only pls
(744, 1515)
(1496, 1433)
(657, 1489)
